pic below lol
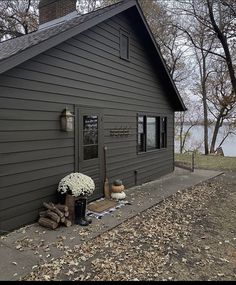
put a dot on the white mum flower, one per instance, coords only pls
(78, 184)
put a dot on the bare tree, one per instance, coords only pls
(218, 17)
(221, 101)
(86, 6)
(212, 36)
(186, 121)
(18, 18)
(224, 12)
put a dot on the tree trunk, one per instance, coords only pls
(222, 38)
(206, 147)
(181, 134)
(204, 101)
(216, 130)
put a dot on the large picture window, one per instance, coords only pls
(152, 133)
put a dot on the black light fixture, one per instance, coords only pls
(67, 121)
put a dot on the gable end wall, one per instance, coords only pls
(85, 70)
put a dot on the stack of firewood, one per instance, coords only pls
(54, 216)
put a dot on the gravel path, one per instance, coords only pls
(189, 236)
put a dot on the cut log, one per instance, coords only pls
(67, 223)
(53, 216)
(53, 208)
(67, 214)
(62, 220)
(45, 222)
(62, 208)
(43, 214)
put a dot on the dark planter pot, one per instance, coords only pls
(61, 198)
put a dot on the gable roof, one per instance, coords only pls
(16, 51)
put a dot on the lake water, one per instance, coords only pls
(196, 140)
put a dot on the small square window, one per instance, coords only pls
(124, 45)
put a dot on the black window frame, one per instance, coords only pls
(142, 135)
(125, 34)
(161, 132)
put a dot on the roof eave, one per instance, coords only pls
(32, 51)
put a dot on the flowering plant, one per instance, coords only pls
(76, 184)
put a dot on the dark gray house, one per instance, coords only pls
(106, 69)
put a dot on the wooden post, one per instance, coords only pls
(106, 188)
(192, 168)
(70, 203)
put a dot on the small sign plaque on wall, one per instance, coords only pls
(120, 132)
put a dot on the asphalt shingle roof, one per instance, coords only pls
(16, 45)
(17, 50)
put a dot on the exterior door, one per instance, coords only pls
(90, 133)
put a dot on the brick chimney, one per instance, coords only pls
(51, 10)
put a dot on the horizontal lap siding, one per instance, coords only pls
(85, 70)
(34, 155)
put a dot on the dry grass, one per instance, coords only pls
(209, 161)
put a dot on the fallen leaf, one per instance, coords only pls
(14, 262)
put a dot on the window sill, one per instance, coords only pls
(152, 151)
(126, 59)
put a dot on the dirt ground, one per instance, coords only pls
(189, 236)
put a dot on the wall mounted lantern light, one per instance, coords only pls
(67, 121)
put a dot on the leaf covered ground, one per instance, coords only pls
(189, 236)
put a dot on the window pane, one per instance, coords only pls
(140, 142)
(164, 132)
(140, 124)
(90, 130)
(90, 152)
(158, 130)
(151, 132)
(141, 135)
(164, 125)
(90, 137)
(124, 47)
